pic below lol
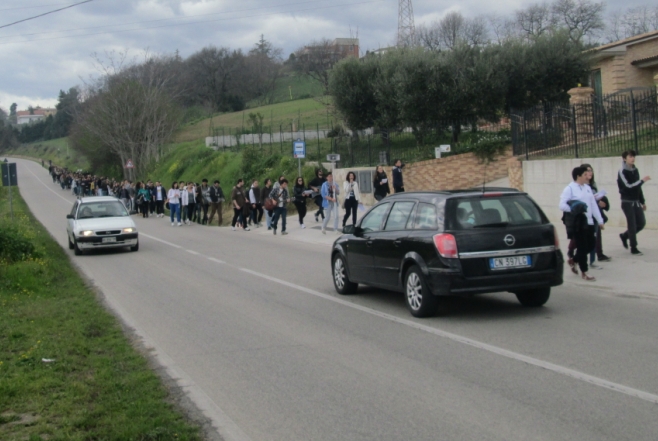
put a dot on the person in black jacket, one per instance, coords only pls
(216, 200)
(398, 182)
(300, 194)
(316, 185)
(381, 185)
(632, 200)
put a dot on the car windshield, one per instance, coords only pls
(494, 212)
(91, 210)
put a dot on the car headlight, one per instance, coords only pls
(129, 230)
(86, 233)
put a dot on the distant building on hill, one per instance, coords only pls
(34, 115)
(329, 53)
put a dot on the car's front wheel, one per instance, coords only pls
(420, 301)
(68, 238)
(76, 249)
(341, 281)
(534, 298)
(135, 248)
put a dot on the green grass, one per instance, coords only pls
(56, 150)
(99, 387)
(309, 113)
(293, 87)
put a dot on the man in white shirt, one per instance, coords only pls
(579, 192)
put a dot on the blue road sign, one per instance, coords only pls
(299, 149)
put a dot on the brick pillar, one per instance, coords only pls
(579, 98)
(515, 173)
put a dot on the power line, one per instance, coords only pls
(163, 19)
(45, 13)
(196, 22)
(32, 7)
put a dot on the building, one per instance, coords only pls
(38, 114)
(329, 53)
(625, 64)
(347, 47)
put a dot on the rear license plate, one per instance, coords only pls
(109, 239)
(501, 263)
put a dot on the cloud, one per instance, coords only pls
(40, 57)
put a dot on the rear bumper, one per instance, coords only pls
(453, 283)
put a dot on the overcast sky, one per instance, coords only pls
(40, 57)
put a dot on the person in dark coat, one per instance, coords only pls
(380, 184)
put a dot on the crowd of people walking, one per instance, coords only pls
(585, 207)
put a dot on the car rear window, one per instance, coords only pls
(494, 211)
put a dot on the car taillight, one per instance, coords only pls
(446, 245)
(557, 239)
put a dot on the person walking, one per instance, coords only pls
(173, 198)
(216, 199)
(256, 202)
(381, 185)
(205, 194)
(316, 185)
(300, 193)
(198, 203)
(160, 197)
(238, 199)
(144, 200)
(398, 181)
(282, 197)
(330, 192)
(189, 195)
(632, 200)
(581, 210)
(352, 197)
(265, 194)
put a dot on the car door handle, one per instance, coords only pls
(369, 243)
(397, 243)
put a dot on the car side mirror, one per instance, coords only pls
(69, 216)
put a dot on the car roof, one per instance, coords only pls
(446, 194)
(89, 199)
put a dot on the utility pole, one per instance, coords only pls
(406, 27)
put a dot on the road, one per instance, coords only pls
(252, 329)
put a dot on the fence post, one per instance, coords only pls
(575, 129)
(281, 137)
(369, 152)
(525, 136)
(317, 127)
(634, 122)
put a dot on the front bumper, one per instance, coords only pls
(96, 242)
(448, 282)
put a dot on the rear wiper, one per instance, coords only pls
(498, 224)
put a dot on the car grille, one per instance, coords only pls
(108, 233)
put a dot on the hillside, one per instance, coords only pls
(293, 87)
(55, 150)
(309, 112)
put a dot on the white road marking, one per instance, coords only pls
(44, 184)
(193, 252)
(572, 373)
(161, 241)
(600, 382)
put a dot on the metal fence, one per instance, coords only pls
(596, 126)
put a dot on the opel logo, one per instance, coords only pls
(509, 240)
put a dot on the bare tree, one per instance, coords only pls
(452, 30)
(316, 60)
(535, 20)
(503, 28)
(264, 62)
(582, 18)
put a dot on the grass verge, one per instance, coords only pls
(67, 371)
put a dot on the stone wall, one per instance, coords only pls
(515, 173)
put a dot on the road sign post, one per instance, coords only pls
(9, 180)
(299, 152)
(441, 149)
(333, 158)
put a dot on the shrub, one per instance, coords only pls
(15, 245)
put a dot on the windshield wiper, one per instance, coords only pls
(85, 217)
(497, 224)
(111, 215)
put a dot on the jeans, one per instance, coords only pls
(159, 207)
(585, 243)
(332, 208)
(215, 207)
(256, 213)
(151, 207)
(351, 204)
(280, 212)
(318, 202)
(144, 208)
(301, 211)
(634, 219)
(268, 218)
(174, 209)
(204, 207)
(237, 216)
(190, 211)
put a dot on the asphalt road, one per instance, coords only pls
(252, 328)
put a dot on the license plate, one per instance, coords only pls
(499, 263)
(109, 239)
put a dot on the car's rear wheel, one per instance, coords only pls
(420, 301)
(68, 238)
(135, 248)
(341, 281)
(534, 298)
(76, 249)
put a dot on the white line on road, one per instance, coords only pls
(193, 252)
(161, 241)
(212, 259)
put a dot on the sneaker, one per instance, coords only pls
(173, 224)
(247, 229)
(636, 252)
(274, 231)
(604, 258)
(187, 222)
(316, 218)
(624, 240)
(324, 231)
(283, 233)
(179, 224)
(269, 228)
(233, 228)
(303, 226)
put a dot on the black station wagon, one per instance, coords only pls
(451, 243)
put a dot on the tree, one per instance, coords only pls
(581, 18)
(13, 118)
(257, 125)
(317, 59)
(633, 21)
(452, 30)
(536, 20)
(351, 86)
(264, 62)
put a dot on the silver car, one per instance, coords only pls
(100, 222)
